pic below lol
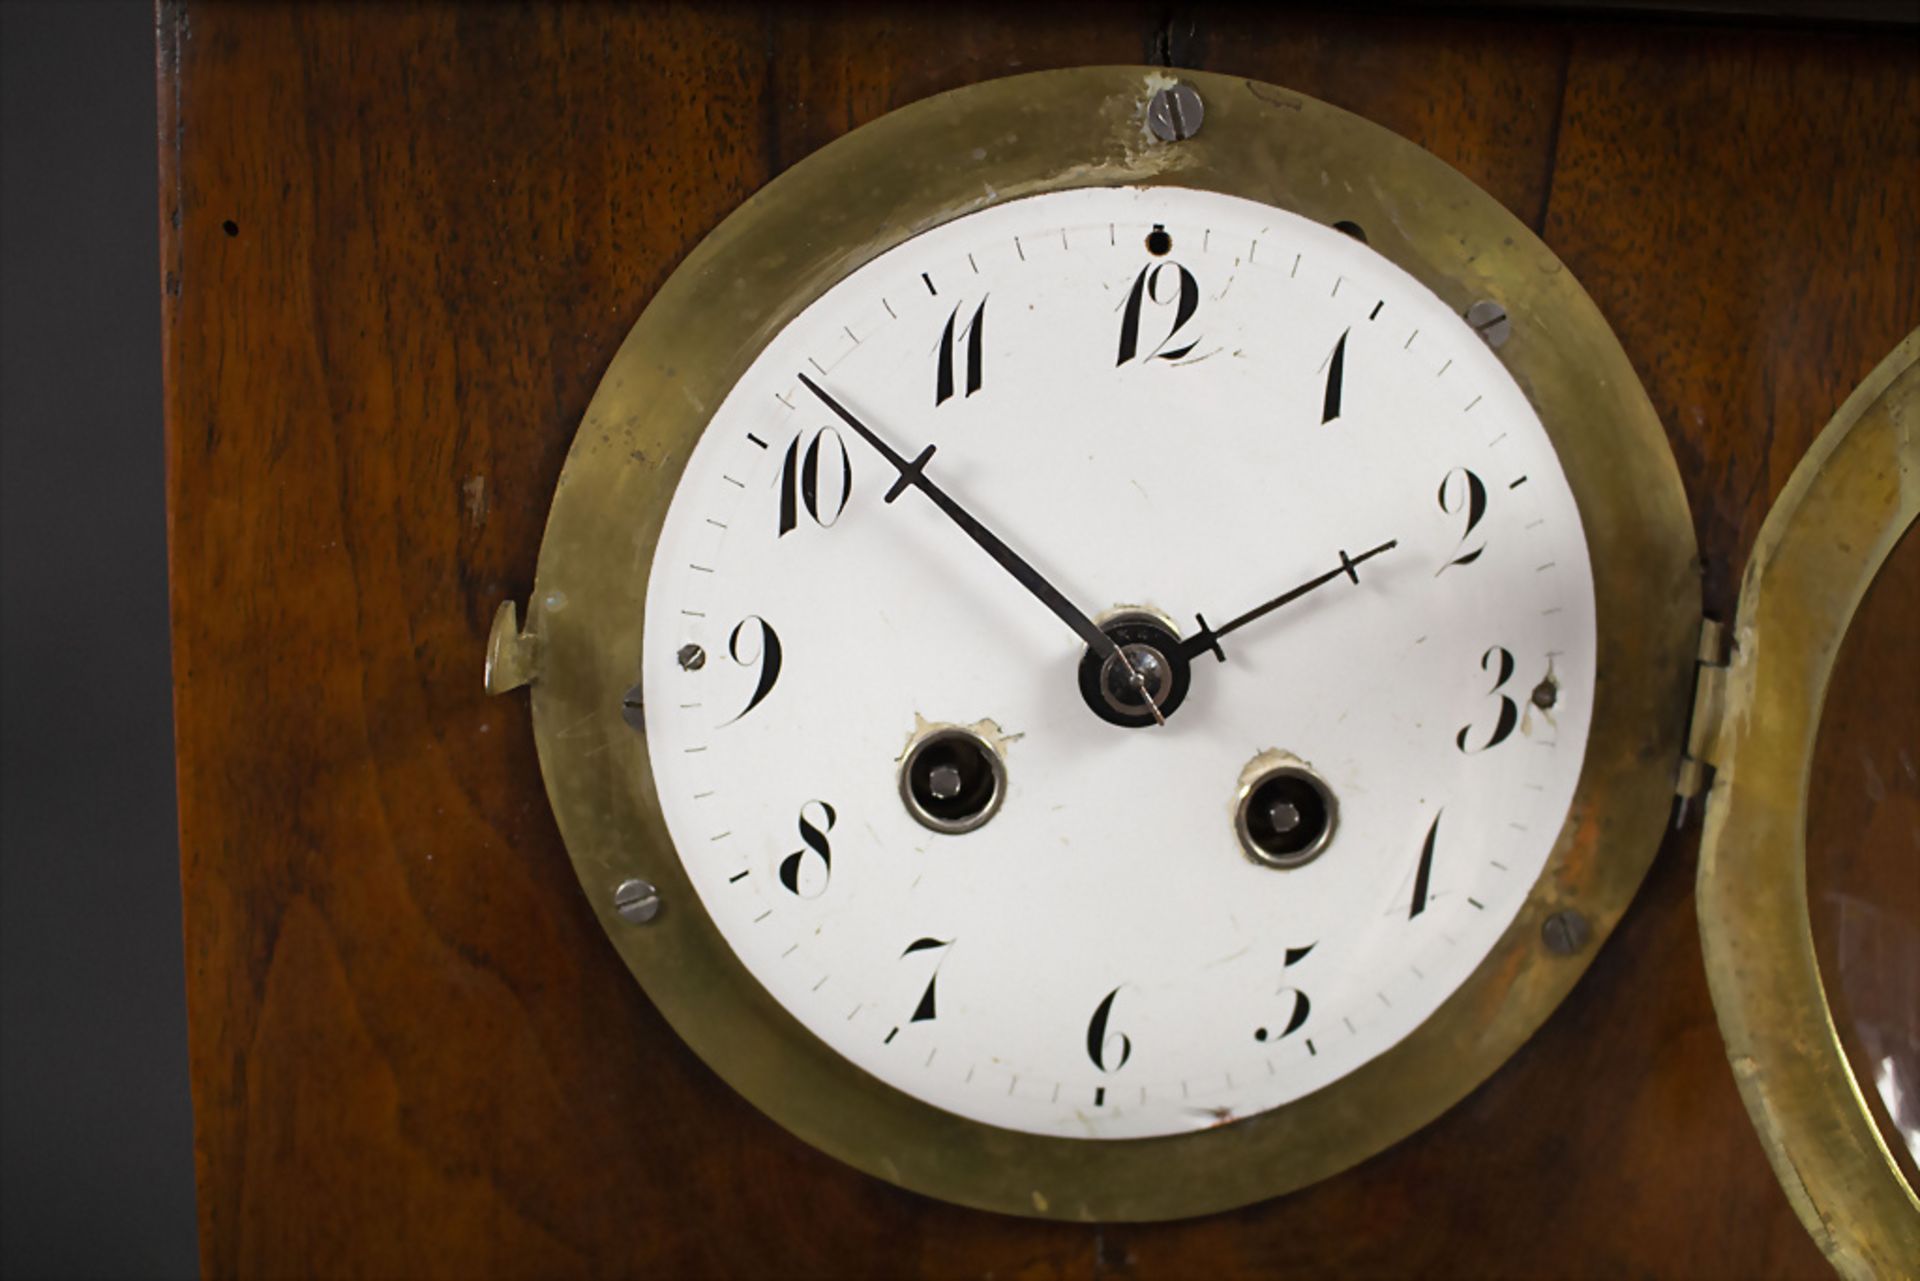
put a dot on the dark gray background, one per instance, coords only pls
(96, 1141)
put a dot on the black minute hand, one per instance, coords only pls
(1208, 638)
(913, 475)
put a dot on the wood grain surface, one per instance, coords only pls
(400, 245)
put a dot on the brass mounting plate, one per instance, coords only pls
(926, 164)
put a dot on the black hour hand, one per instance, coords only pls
(1207, 639)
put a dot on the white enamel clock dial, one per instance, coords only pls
(1161, 405)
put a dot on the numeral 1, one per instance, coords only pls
(1336, 377)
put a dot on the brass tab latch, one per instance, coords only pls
(513, 656)
(1703, 727)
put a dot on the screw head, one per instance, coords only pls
(691, 658)
(1565, 932)
(632, 711)
(1489, 320)
(636, 901)
(1284, 816)
(1546, 693)
(1174, 113)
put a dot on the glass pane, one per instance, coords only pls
(1863, 849)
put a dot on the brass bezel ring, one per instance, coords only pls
(924, 165)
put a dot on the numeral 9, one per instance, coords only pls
(766, 657)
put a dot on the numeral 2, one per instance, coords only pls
(1469, 494)
(1148, 288)
(943, 375)
(1509, 712)
(795, 872)
(800, 481)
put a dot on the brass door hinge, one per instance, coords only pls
(1703, 726)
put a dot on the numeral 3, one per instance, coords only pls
(1499, 661)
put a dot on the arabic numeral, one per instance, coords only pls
(765, 654)
(1161, 285)
(806, 871)
(973, 331)
(801, 486)
(1500, 662)
(1101, 1042)
(927, 1009)
(1462, 492)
